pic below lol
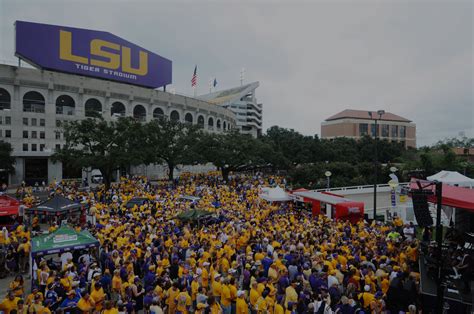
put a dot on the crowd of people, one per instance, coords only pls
(263, 258)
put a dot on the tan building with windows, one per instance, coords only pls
(358, 123)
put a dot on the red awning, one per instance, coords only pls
(8, 205)
(299, 190)
(453, 196)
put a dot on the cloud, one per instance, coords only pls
(313, 59)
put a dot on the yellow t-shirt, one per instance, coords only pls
(241, 306)
(216, 288)
(254, 295)
(279, 309)
(7, 305)
(99, 297)
(290, 296)
(225, 295)
(183, 301)
(111, 311)
(84, 305)
(194, 289)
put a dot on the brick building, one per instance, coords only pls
(358, 123)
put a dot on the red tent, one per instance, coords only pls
(453, 196)
(343, 208)
(8, 206)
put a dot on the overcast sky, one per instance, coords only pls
(312, 59)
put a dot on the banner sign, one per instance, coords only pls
(393, 198)
(90, 53)
(60, 238)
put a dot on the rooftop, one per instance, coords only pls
(364, 114)
(229, 95)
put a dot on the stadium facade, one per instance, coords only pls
(34, 104)
(243, 102)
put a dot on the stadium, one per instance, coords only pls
(34, 102)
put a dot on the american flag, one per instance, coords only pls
(194, 79)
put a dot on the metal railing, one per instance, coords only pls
(360, 187)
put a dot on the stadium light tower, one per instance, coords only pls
(379, 113)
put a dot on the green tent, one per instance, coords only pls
(62, 240)
(193, 215)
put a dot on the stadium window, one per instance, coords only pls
(0, 133)
(8, 120)
(42, 134)
(58, 135)
(1, 120)
(25, 147)
(58, 123)
(58, 146)
(34, 134)
(33, 121)
(25, 134)
(42, 147)
(25, 121)
(42, 122)
(33, 147)
(8, 133)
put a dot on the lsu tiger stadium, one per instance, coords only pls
(67, 73)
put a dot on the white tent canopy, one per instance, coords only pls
(452, 178)
(275, 195)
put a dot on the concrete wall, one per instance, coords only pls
(18, 81)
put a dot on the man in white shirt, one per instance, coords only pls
(409, 232)
(64, 258)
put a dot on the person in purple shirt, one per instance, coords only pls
(283, 283)
(266, 263)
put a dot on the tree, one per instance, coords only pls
(102, 145)
(233, 151)
(172, 142)
(6, 159)
(289, 146)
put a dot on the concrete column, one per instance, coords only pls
(55, 171)
(19, 174)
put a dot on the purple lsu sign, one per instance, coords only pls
(90, 53)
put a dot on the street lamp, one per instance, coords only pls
(328, 176)
(371, 115)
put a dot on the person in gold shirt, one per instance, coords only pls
(65, 281)
(183, 302)
(110, 308)
(225, 296)
(98, 295)
(86, 304)
(279, 306)
(32, 296)
(241, 306)
(9, 303)
(16, 286)
(254, 295)
(116, 285)
(37, 305)
(216, 287)
(290, 294)
(171, 298)
(261, 305)
(214, 306)
(366, 297)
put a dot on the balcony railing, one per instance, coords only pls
(36, 109)
(65, 110)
